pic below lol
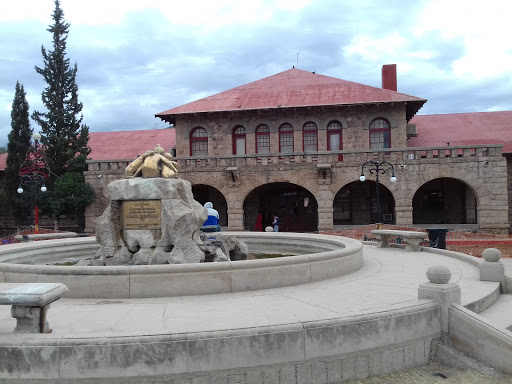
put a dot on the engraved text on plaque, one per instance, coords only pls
(142, 214)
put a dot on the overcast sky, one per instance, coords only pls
(137, 58)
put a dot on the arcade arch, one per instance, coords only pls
(356, 204)
(295, 206)
(445, 201)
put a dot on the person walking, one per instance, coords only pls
(212, 223)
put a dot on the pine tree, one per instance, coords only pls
(64, 136)
(17, 148)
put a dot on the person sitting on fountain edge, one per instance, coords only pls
(212, 223)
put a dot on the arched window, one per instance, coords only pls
(310, 137)
(286, 138)
(263, 139)
(199, 142)
(239, 140)
(335, 138)
(380, 134)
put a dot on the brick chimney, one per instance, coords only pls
(389, 77)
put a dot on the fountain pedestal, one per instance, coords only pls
(150, 221)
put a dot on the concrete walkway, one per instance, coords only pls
(389, 279)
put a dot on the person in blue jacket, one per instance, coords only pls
(212, 223)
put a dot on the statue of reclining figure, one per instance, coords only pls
(156, 163)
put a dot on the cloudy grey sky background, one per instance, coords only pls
(137, 58)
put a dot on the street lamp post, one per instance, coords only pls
(32, 178)
(375, 167)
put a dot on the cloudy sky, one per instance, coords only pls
(137, 58)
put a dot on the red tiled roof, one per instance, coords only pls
(463, 129)
(294, 88)
(122, 145)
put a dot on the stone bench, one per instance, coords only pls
(46, 236)
(413, 238)
(30, 302)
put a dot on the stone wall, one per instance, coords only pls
(355, 121)
(483, 168)
(323, 174)
(508, 158)
(325, 351)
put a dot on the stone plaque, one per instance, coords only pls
(142, 214)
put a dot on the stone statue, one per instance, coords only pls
(155, 163)
(154, 219)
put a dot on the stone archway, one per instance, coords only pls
(445, 201)
(295, 206)
(356, 204)
(204, 193)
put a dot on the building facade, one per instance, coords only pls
(293, 145)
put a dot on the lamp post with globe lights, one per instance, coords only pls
(376, 167)
(32, 178)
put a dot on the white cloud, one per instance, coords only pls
(423, 54)
(200, 13)
(376, 49)
(137, 58)
(484, 27)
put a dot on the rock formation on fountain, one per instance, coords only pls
(223, 248)
(150, 221)
(153, 219)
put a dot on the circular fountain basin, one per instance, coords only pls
(318, 257)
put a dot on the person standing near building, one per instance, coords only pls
(212, 223)
(275, 223)
(259, 223)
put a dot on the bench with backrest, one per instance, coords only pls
(30, 302)
(413, 238)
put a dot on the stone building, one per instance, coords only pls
(293, 145)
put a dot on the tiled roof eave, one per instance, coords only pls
(418, 101)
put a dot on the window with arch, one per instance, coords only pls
(335, 137)
(380, 134)
(263, 139)
(239, 140)
(310, 137)
(199, 142)
(286, 138)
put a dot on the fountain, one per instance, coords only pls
(206, 342)
(153, 218)
(148, 244)
(324, 315)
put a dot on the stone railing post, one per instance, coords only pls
(439, 289)
(492, 269)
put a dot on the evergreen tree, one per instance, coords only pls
(64, 137)
(69, 196)
(17, 148)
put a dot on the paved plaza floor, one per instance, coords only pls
(389, 279)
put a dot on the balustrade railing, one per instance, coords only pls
(398, 155)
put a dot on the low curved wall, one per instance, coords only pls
(326, 351)
(330, 256)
